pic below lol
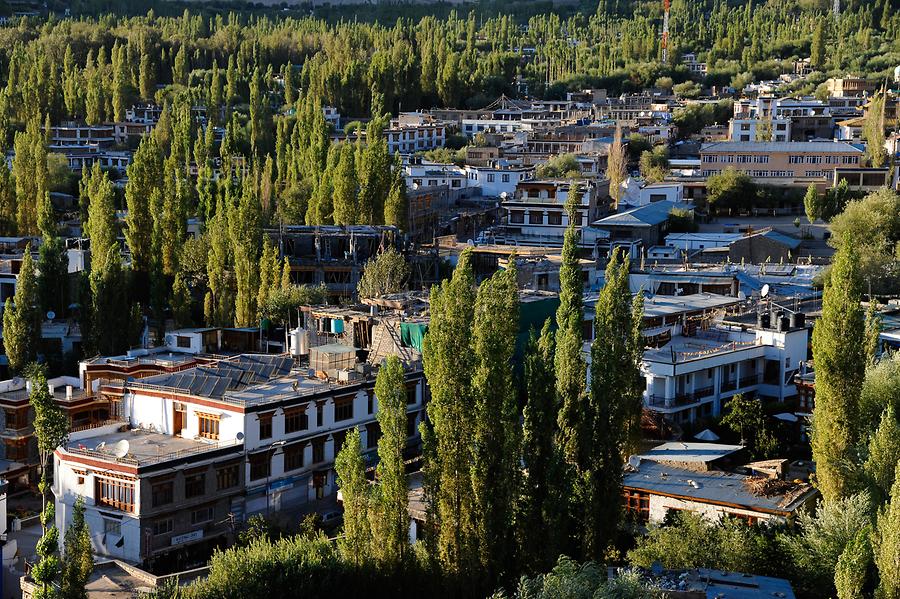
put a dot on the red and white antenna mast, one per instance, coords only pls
(665, 32)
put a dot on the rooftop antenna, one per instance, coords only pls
(122, 448)
(665, 31)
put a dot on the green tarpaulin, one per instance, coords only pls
(412, 334)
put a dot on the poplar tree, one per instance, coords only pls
(614, 410)
(886, 544)
(218, 306)
(50, 429)
(392, 538)
(101, 224)
(569, 362)
(8, 207)
(495, 469)
(356, 495)
(853, 565)
(180, 68)
(30, 171)
(397, 204)
(873, 330)
(539, 520)
(78, 556)
(144, 176)
(839, 356)
(346, 188)
(616, 167)
(449, 368)
(883, 455)
(246, 235)
(375, 168)
(22, 318)
(146, 74)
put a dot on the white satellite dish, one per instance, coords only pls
(239, 436)
(742, 296)
(121, 449)
(764, 291)
(51, 315)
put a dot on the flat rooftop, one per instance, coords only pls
(670, 305)
(678, 451)
(684, 349)
(220, 378)
(142, 447)
(724, 488)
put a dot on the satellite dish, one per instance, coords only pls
(121, 449)
(51, 315)
(100, 446)
(239, 436)
(742, 296)
(764, 291)
(634, 461)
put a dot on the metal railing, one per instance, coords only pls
(77, 449)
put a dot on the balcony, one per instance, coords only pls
(681, 399)
(750, 380)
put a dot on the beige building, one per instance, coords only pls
(849, 86)
(780, 163)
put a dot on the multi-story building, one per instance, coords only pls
(695, 374)
(498, 178)
(413, 132)
(71, 134)
(536, 214)
(202, 448)
(333, 255)
(849, 86)
(752, 129)
(780, 163)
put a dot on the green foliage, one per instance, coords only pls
(561, 166)
(540, 512)
(681, 220)
(581, 581)
(880, 391)
(78, 558)
(385, 274)
(495, 469)
(616, 166)
(610, 419)
(22, 317)
(390, 531)
(873, 330)
(812, 204)
(690, 541)
(654, 164)
(823, 537)
(886, 544)
(883, 455)
(51, 426)
(730, 190)
(449, 368)
(694, 117)
(284, 302)
(745, 416)
(873, 132)
(356, 542)
(853, 565)
(872, 226)
(637, 145)
(840, 361)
